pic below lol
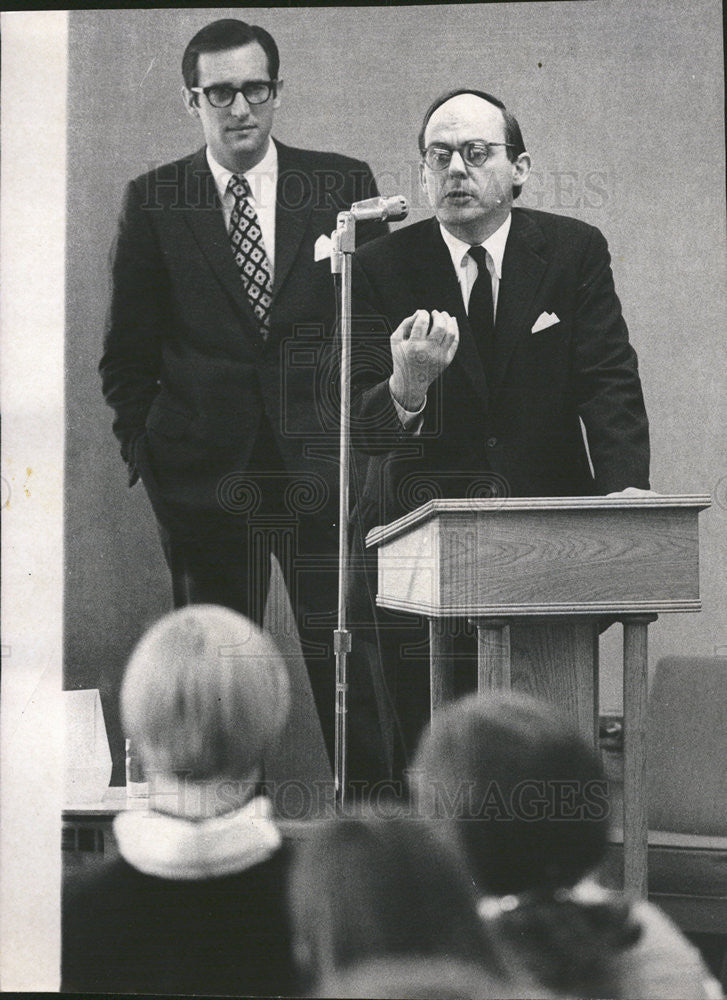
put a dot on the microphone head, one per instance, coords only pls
(397, 207)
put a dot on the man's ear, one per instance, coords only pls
(190, 102)
(521, 169)
(276, 99)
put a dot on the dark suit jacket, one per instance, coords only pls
(127, 932)
(192, 383)
(514, 431)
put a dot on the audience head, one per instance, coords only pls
(522, 790)
(526, 797)
(367, 889)
(440, 978)
(205, 694)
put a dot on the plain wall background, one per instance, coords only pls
(621, 106)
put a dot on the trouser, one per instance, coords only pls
(223, 557)
(233, 570)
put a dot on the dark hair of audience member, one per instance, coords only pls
(440, 978)
(526, 796)
(363, 889)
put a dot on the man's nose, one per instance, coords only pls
(239, 107)
(457, 164)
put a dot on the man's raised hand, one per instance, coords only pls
(422, 347)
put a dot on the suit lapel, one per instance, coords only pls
(437, 288)
(523, 266)
(203, 214)
(294, 200)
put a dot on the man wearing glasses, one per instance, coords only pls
(215, 351)
(502, 331)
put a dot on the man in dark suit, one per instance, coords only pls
(494, 347)
(216, 350)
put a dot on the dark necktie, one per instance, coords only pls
(481, 310)
(249, 252)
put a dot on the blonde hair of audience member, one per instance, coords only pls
(525, 796)
(204, 696)
(362, 889)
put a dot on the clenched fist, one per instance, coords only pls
(421, 349)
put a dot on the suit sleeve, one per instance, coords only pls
(608, 389)
(375, 425)
(138, 317)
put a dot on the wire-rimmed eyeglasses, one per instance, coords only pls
(438, 156)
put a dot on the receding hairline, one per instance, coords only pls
(471, 97)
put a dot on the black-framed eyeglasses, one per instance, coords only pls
(437, 156)
(222, 95)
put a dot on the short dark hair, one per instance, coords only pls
(499, 749)
(513, 135)
(227, 33)
(482, 765)
(407, 893)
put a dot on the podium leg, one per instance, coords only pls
(635, 819)
(557, 660)
(441, 663)
(493, 654)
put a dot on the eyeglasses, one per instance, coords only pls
(222, 95)
(474, 153)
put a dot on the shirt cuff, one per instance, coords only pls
(411, 420)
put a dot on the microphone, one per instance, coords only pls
(395, 207)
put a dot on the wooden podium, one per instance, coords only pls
(541, 578)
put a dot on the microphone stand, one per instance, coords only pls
(344, 244)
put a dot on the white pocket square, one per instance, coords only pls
(322, 249)
(543, 321)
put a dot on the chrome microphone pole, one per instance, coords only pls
(343, 245)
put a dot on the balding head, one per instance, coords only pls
(467, 108)
(513, 135)
(471, 195)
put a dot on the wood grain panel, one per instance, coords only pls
(558, 661)
(496, 557)
(441, 663)
(636, 831)
(493, 654)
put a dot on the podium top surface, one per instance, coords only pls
(434, 508)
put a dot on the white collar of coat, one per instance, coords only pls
(173, 847)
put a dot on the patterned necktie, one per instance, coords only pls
(481, 310)
(249, 252)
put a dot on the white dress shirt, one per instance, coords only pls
(263, 181)
(466, 271)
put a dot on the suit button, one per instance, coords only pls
(491, 442)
